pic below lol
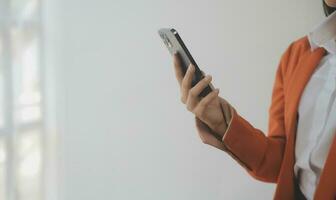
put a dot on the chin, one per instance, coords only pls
(328, 9)
(331, 3)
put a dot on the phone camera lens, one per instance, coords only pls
(169, 44)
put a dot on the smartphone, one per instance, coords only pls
(174, 43)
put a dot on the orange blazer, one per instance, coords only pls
(271, 157)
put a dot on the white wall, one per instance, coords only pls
(124, 133)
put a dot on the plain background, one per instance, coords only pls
(124, 133)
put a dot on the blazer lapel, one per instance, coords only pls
(306, 66)
(304, 70)
(326, 188)
(296, 84)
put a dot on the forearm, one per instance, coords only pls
(227, 111)
(260, 155)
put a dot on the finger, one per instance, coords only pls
(202, 73)
(186, 83)
(193, 98)
(178, 68)
(201, 106)
(200, 86)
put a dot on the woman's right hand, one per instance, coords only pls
(208, 108)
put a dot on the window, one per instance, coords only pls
(22, 128)
(28, 167)
(3, 188)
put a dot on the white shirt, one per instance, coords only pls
(317, 111)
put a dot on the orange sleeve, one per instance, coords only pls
(259, 154)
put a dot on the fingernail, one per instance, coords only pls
(208, 77)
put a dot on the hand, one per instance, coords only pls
(208, 108)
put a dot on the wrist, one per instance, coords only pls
(220, 129)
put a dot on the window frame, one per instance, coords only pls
(10, 130)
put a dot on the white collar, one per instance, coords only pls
(324, 35)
